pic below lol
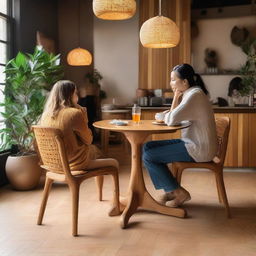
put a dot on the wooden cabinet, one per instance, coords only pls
(241, 151)
(105, 134)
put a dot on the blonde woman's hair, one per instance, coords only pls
(60, 97)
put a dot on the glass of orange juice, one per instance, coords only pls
(136, 112)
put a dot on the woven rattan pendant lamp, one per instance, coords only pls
(79, 56)
(114, 9)
(159, 32)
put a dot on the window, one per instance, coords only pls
(5, 44)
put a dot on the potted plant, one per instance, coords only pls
(241, 37)
(28, 77)
(94, 77)
(94, 87)
(248, 70)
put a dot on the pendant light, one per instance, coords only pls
(114, 9)
(79, 56)
(159, 32)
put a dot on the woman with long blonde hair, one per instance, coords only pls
(62, 111)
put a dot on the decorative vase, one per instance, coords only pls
(23, 172)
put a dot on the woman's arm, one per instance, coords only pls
(186, 110)
(176, 98)
(80, 126)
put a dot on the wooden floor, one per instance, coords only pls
(206, 231)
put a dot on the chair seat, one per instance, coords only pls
(62, 177)
(208, 165)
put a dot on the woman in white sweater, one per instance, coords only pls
(198, 142)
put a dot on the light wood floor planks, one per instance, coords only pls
(206, 231)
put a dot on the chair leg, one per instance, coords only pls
(74, 188)
(218, 187)
(47, 188)
(174, 171)
(179, 174)
(105, 141)
(99, 183)
(219, 177)
(115, 210)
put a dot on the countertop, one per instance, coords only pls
(216, 109)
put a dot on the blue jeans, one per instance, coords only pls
(156, 156)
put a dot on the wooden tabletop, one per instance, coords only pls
(144, 125)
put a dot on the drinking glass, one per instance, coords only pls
(136, 112)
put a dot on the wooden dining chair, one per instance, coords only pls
(223, 127)
(53, 157)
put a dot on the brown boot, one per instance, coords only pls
(181, 196)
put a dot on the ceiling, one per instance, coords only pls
(202, 4)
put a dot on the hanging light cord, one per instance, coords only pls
(160, 7)
(79, 5)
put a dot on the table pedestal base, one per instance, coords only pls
(148, 203)
(138, 195)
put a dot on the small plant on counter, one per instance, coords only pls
(94, 78)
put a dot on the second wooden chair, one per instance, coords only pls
(223, 127)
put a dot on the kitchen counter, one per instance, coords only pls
(215, 108)
(234, 109)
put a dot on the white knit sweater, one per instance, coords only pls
(200, 138)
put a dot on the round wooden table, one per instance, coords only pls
(138, 195)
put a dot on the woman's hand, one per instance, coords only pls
(177, 93)
(176, 99)
(160, 116)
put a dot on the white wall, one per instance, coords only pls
(215, 34)
(116, 56)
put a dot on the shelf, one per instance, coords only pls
(220, 74)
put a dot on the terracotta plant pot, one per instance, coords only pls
(23, 172)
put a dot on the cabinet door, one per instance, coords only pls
(148, 114)
(252, 139)
(243, 140)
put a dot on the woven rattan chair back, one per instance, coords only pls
(50, 148)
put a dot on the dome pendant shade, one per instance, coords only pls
(79, 57)
(114, 9)
(159, 32)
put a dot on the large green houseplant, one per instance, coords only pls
(28, 78)
(248, 70)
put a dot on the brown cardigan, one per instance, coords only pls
(77, 136)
